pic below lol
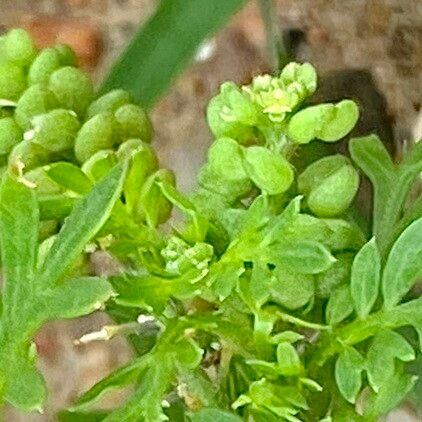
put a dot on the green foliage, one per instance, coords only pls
(261, 300)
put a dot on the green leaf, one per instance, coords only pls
(389, 396)
(404, 265)
(19, 247)
(67, 416)
(288, 359)
(348, 373)
(303, 257)
(116, 380)
(271, 172)
(214, 415)
(76, 297)
(340, 305)
(385, 348)
(291, 290)
(86, 219)
(365, 278)
(178, 27)
(328, 122)
(69, 176)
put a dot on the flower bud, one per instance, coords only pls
(12, 81)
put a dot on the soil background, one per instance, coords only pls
(381, 38)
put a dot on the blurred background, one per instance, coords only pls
(365, 49)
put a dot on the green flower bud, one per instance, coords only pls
(99, 164)
(154, 207)
(303, 74)
(44, 184)
(67, 56)
(28, 155)
(72, 88)
(36, 100)
(270, 172)
(43, 66)
(133, 122)
(330, 184)
(96, 134)
(328, 122)
(109, 102)
(10, 135)
(12, 81)
(56, 130)
(19, 47)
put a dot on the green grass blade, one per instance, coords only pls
(166, 44)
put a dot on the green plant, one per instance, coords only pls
(265, 301)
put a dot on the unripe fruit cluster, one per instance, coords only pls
(49, 111)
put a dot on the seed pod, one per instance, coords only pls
(56, 130)
(330, 185)
(154, 207)
(12, 81)
(109, 102)
(133, 122)
(19, 47)
(28, 155)
(43, 66)
(98, 165)
(72, 88)
(271, 172)
(36, 100)
(96, 134)
(10, 135)
(143, 162)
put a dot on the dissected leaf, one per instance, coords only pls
(340, 305)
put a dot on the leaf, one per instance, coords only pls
(76, 297)
(67, 416)
(26, 388)
(389, 396)
(328, 122)
(365, 278)
(340, 305)
(146, 402)
(303, 257)
(19, 245)
(288, 359)
(385, 348)
(178, 27)
(116, 380)
(404, 265)
(272, 173)
(85, 220)
(69, 176)
(348, 373)
(29, 299)
(213, 415)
